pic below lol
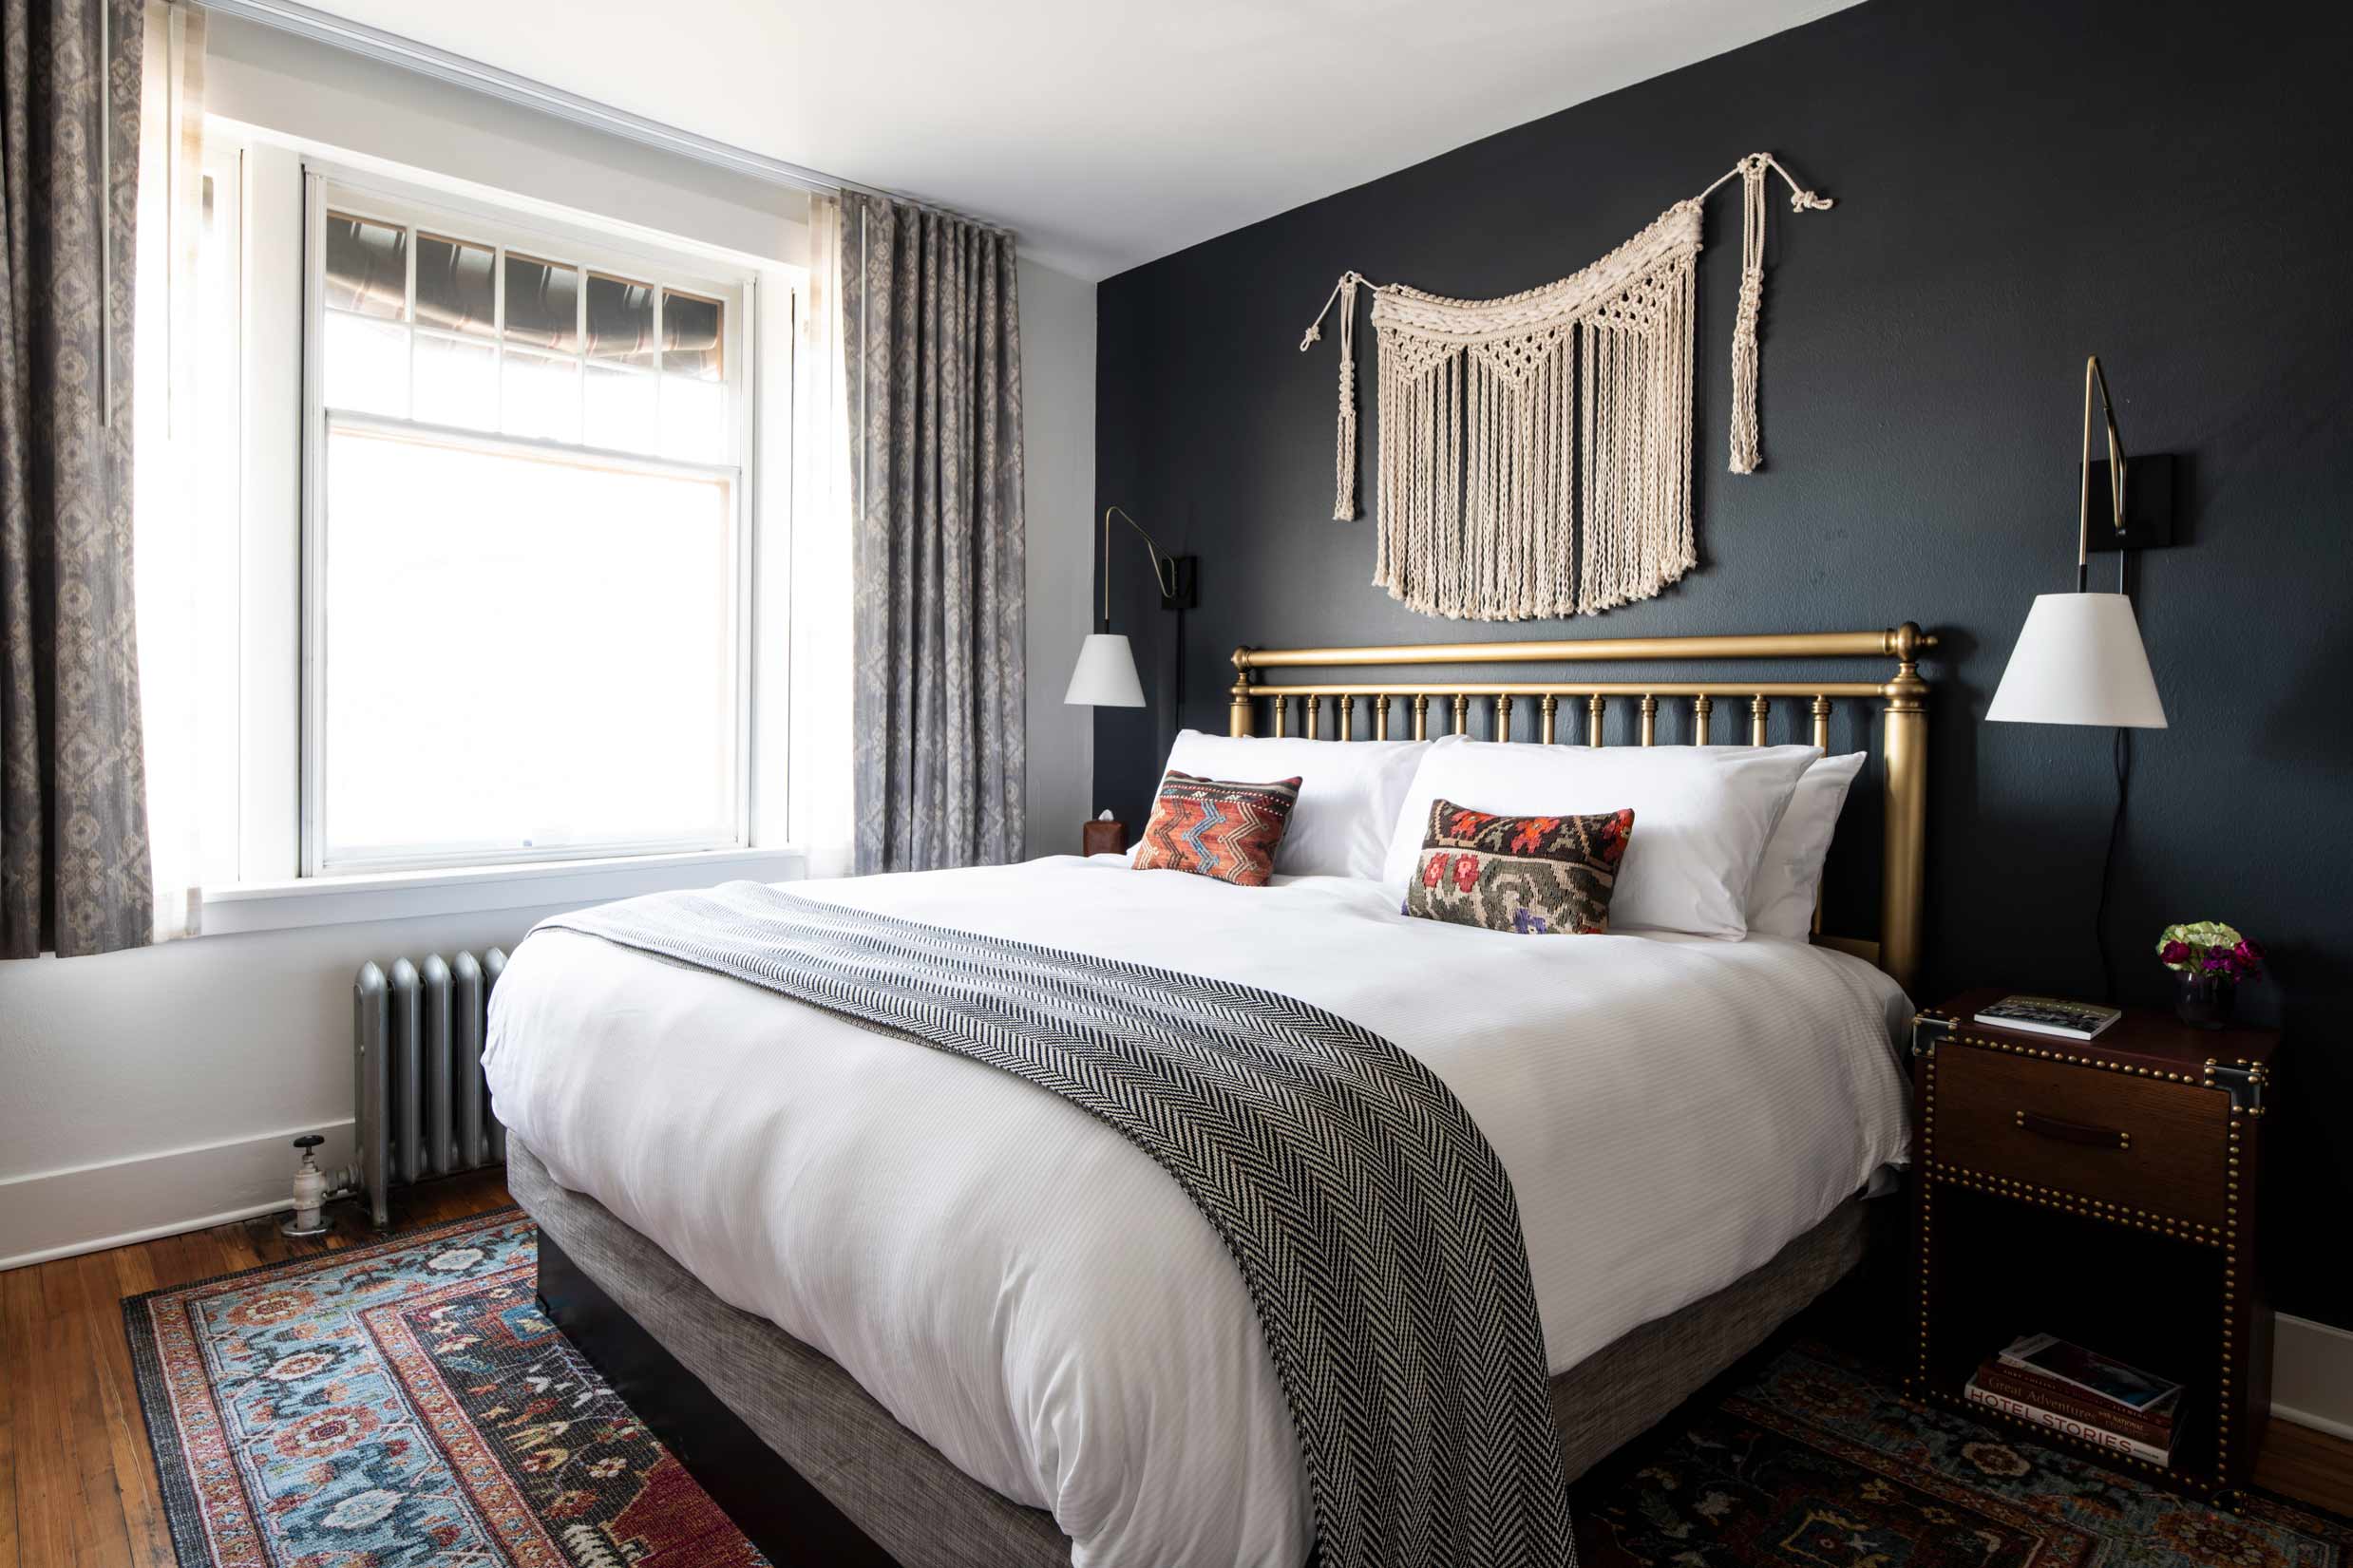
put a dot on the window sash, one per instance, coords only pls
(323, 189)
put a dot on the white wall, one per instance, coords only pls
(280, 84)
(156, 1089)
(1057, 411)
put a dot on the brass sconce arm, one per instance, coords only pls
(1164, 575)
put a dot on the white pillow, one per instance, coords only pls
(1702, 816)
(1349, 792)
(1790, 875)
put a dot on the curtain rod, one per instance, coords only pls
(407, 54)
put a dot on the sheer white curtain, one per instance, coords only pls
(169, 485)
(820, 801)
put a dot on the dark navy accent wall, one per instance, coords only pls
(2020, 183)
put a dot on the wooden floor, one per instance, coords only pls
(77, 1479)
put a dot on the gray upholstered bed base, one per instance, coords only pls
(928, 1514)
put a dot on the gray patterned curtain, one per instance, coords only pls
(932, 344)
(73, 815)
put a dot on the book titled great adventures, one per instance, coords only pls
(2049, 1016)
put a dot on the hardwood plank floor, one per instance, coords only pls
(77, 1479)
(78, 1485)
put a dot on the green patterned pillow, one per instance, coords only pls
(1531, 875)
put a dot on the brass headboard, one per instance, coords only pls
(1903, 697)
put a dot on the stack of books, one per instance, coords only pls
(2053, 1383)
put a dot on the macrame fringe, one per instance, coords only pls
(1536, 450)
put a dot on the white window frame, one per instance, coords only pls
(366, 195)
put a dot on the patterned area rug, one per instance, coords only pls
(404, 1404)
(407, 1406)
(1816, 1464)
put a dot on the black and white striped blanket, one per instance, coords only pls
(1374, 1229)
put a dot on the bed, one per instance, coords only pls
(905, 1308)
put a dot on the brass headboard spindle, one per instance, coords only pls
(1315, 718)
(1904, 731)
(1348, 718)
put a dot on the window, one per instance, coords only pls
(527, 555)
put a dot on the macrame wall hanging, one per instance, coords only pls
(1535, 450)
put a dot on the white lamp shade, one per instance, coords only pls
(1106, 673)
(2080, 660)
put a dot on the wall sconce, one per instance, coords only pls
(1105, 675)
(2079, 659)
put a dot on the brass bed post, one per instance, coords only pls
(1902, 878)
(1238, 711)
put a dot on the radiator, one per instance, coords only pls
(420, 1106)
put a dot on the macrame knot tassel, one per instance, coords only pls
(1344, 460)
(1744, 435)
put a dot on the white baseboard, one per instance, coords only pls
(2312, 1375)
(88, 1208)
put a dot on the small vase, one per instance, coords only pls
(2202, 1000)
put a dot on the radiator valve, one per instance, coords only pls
(310, 1192)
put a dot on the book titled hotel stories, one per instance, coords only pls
(2047, 1393)
(2051, 1381)
(2049, 1016)
(2082, 1432)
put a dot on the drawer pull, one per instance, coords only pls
(2073, 1132)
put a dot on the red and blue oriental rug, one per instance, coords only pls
(404, 1404)
(407, 1406)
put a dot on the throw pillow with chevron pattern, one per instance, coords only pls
(1531, 875)
(1215, 828)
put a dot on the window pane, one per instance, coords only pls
(455, 286)
(367, 364)
(457, 382)
(366, 267)
(690, 335)
(621, 320)
(542, 304)
(522, 652)
(694, 420)
(541, 397)
(621, 408)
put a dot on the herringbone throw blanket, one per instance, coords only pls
(1375, 1228)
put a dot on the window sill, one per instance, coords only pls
(405, 895)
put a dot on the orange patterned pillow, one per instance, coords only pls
(1214, 828)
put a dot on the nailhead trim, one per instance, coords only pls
(2226, 1237)
(2090, 1208)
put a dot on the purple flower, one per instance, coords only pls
(2212, 965)
(2174, 952)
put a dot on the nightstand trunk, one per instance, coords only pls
(2105, 1191)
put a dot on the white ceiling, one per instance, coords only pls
(1105, 132)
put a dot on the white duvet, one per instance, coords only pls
(1036, 1298)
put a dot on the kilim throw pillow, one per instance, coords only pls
(1214, 828)
(1531, 875)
